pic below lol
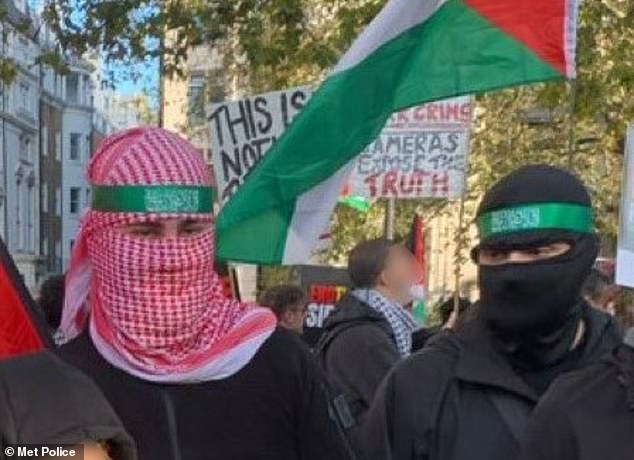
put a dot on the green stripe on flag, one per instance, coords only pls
(454, 52)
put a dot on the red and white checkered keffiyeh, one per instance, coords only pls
(155, 307)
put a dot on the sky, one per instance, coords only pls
(128, 80)
(146, 83)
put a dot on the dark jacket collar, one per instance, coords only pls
(480, 362)
(351, 310)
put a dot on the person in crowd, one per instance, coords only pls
(289, 305)
(468, 395)
(369, 330)
(589, 414)
(51, 300)
(45, 401)
(600, 292)
(192, 374)
(450, 321)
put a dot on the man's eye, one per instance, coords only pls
(144, 231)
(546, 250)
(193, 230)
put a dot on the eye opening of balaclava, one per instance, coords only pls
(536, 306)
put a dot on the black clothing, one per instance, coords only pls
(421, 337)
(459, 398)
(45, 401)
(273, 408)
(586, 415)
(534, 308)
(356, 351)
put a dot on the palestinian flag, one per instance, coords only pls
(414, 51)
(22, 328)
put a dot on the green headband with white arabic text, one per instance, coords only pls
(540, 216)
(159, 199)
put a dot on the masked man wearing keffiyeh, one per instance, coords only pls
(193, 375)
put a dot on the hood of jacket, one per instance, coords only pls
(46, 401)
(352, 311)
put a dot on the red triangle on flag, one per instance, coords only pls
(22, 329)
(538, 24)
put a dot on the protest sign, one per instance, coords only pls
(324, 287)
(241, 132)
(422, 152)
(625, 252)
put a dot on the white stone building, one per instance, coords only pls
(76, 151)
(19, 141)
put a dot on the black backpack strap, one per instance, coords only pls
(342, 406)
(514, 411)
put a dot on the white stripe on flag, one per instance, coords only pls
(311, 217)
(395, 18)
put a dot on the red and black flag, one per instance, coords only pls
(417, 246)
(22, 327)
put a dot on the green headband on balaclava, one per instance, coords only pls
(535, 308)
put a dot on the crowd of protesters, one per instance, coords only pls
(156, 362)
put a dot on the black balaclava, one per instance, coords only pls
(534, 309)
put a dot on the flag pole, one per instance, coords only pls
(572, 103)
(457, 256)
(390, 217)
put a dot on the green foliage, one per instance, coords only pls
(8, 71)
(275, 276)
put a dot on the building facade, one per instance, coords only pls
(77, 145)
(19, 112)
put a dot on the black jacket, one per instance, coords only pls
(275, 408)
(45, 401)
(356, 351)
(459, 399)
(586, 415)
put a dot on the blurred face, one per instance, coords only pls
(398, 276)
(168, 228)
(494, 257)
(295, 317)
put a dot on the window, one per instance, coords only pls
(18, 212)
(74, 200)
(44, 139)
(87, 204)
(44, 246)
(58, 201)
(197, 98)
(87, 97)
(75, 144)
(72, 88)
(44, 204)
(88, 148)
(58, 145)
(26, 148)
(25, 97)
(29, 208)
